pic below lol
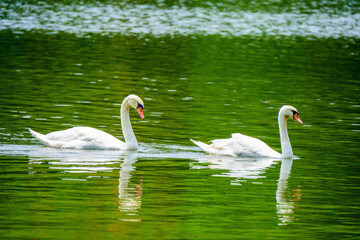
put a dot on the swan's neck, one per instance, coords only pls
(128, 133)
(286, 150)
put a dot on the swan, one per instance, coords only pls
(91, 138)
(242, 145)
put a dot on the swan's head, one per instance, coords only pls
(136, 103)
(290, 112)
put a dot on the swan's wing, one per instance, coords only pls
(77, 133)
(80, 138)
(253, 147)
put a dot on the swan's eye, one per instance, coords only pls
(140, 106)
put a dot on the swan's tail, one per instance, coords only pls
(202, 145)
(40, 137)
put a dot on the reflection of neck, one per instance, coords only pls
(284, 207)
(126, 168)
(284, 174)
(129, 200)
(128, 133)
(286, 150)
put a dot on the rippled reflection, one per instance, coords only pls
(243, 169)
(130, 193)
(74, 161)
(238, 168)
(90, 163)
(286, 199)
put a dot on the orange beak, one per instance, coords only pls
(296, 118)
(140, 111)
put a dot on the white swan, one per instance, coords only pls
(242, 145)
(91, 138)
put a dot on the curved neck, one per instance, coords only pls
(128, 133)
(286, 150)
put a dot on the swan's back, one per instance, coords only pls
(79, 138)
(252, 147)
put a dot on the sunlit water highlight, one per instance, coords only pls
(141, 20)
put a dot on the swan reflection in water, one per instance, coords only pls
(129, 193)
(74, 163)
(240, 169)
(286, 199)
(243, 169)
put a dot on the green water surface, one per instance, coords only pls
(202, 87)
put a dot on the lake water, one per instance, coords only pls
(204, 70)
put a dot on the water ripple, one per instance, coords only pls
(141, 20)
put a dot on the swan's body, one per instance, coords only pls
(242, 145)
(238, 145)
(91, 138)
